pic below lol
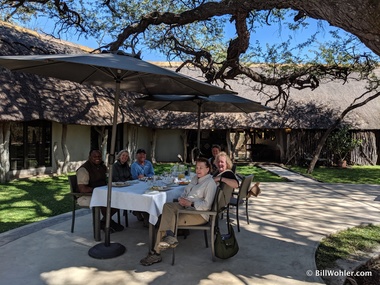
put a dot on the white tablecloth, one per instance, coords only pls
(134, 198)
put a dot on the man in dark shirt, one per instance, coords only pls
(91, 174)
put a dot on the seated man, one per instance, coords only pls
(142, 168)
(92, 174)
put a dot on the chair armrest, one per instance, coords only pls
(239, 176)
(80, 194)
(196, 212)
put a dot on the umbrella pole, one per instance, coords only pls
(199, 129)
(107, 249)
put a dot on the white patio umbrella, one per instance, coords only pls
(114, 70)
(218, 103)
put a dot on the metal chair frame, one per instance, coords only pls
(220, 204)
(74, 192)
(240, 197)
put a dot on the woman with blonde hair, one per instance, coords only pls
(225, 173)
(121, 171)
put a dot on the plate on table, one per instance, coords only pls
(159, 188)
(120, 184)
(150, 192)
(183, 182)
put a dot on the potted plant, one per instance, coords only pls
(341, 143)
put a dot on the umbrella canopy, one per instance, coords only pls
(219, 103)
(106, 69)
(114, 70)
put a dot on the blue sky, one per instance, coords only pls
(273, 34)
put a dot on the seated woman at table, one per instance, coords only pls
(121, 171)
(224, 173)
(199, 194)
(215, 150)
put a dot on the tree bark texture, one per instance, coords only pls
(366, 153)
(5, 132)
(154, 144)
(65, 151)
(184, 135)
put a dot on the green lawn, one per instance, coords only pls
(344, 243)
(351, 175)
(30, 200)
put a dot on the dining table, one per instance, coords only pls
(135, 195)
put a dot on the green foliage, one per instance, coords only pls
(341, 143)
(341, 244)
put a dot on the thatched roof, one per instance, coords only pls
(25, 97)
(307, 109)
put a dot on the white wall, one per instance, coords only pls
(169, 145)
(78, 142)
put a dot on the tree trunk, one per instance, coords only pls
(246, 139)
(184, 141)
(235, 152)
(228, 141)
(366, 153)
(58, 162)
(65, 151)
(334, 125)
(5, 132)
(154, 143)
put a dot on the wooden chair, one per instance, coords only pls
(74, 192)
(240, 197)
(220, 203)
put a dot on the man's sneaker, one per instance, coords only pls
(168, 242)
(151, 259)
(115, 226)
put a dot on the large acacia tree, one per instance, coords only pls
(193, 31)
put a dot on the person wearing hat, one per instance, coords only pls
(141, 167)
